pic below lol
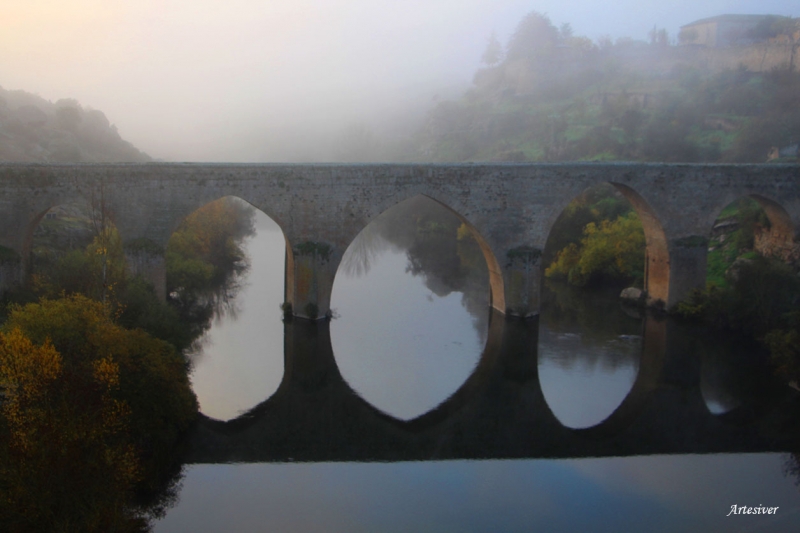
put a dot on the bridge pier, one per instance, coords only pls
(12, 269)
(310, 269)
(522, 278)
(146, 258)
(309, 363)
(687, 268)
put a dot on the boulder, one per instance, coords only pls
(631, 294)
(733, 271)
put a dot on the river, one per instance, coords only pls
(407, 332)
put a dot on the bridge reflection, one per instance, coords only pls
(499, 412)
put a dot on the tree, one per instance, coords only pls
(68, 117)
(688, 36)
(772, 26)
(206, 249)
(91, 414)
(658, 37)
(784, 346)
(493, 53)
(65, 457)
(610, 250)
(534, 37)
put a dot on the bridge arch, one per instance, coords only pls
(767, 226)
(772, 206)
(227, 270)
(656, 260)
(227, 210)
(146, 253)
(497, 298)
(616, 366)
(56, 244)
(411, 332)
(779, 239)
(75, 199)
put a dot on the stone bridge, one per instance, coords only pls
(509, 208)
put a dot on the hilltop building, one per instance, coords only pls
(723, 30)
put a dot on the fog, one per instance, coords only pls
(285, 80)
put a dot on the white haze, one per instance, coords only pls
(280, 80)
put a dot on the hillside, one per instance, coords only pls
(549, 95)
(33, 129)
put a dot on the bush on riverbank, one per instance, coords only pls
(206, 248)
(733, 238)
(204, 258)
(784, 345)
(608, 251)
(764, 290)
(90, 414)
(762, 301)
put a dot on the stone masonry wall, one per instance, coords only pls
(321, 208)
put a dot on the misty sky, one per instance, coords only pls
(259, 80)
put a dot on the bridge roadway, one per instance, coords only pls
(510, 209)
(499, 413)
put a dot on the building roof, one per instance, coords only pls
(730, 18)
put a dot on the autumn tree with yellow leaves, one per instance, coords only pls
(608, 250)
(88, 412)
(206, 248)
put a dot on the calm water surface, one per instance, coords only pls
(404, 344)
(657, 493)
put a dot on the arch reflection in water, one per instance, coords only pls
(412, 299)
(733, 373)
(718, 384)
(589, 354)
(239, 361)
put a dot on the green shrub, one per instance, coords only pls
(784, 346)
(763, 293)
(607, 251)
(90, 424)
